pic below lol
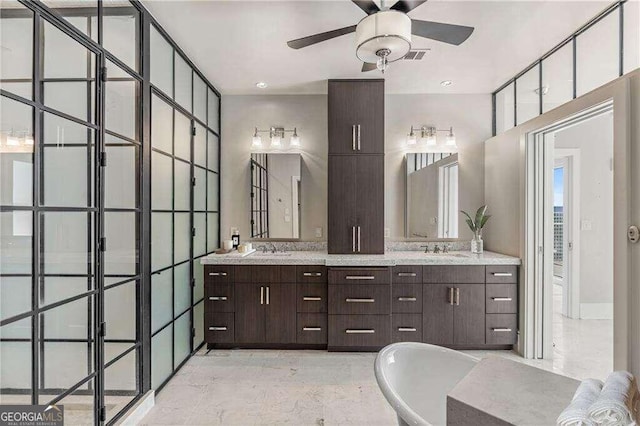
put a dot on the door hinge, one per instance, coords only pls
(252, 195)
(193, 232)
(103, 329)
(103, 74)
(570, 245)
(193, 181)
(102, 244)
(193, 131)
(103, 159)
(103, 414)
(193, 282)
(193, 333)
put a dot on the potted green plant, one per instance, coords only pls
(476, 224)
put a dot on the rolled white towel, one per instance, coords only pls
(577, 412)
(616, 405)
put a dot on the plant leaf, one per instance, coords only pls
(484, 220)
(479, 214)
(471, 225)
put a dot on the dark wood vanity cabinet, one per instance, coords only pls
(356, 167)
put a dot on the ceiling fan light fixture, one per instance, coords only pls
(390, 30)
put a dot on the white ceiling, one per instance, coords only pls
(238, 43)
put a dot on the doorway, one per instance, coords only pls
(574, 225)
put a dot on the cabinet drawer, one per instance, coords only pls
(265, 274)
(359, 330)
(502, 274)
(311, 274)
(219, 297)
(312, 329)
(438, 274)
(359, 276)
(502, 298)
(406, 274)
(406, 298)
(312, 297)
(218, 273)
(406, 328)
(218, 328)
(502, 329)
(359, 299)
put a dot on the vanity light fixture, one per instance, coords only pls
(12, 140)
(276, 137)
(28, 140)
(411, 137)
(451, 138)
(428, 136)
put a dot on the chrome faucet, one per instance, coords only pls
(436, 249)
(274, 249)
(445, 248)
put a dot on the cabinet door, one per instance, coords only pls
(342, 202)
(437, 315)
(370, 204)
(369, 111)
(250, 312)
(280, 323)
(469, 315)
(343, 95)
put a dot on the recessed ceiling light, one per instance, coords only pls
(261, 85)
(446, 83)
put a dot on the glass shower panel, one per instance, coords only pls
(200, 237)
(120, 384)
(213, 234)
(161, 354)
(16, 236)
(505, 109)
(121, 30)
(198, 275)
(200, 146)
(16, 67)
(200, 189)
(182, 185)
(161, 242)
(161, 125)
(58, 288)
(182, 339)
(161, 178)
(213, 149)
(78, 19)
(161, 299)
(66, 249)
(121, 254)
(17, 362)
(213, 102)
(16, 155)
(182, 237)
(198, 324)
(120, 314)
(161, 62)
(121, 103)
(182, 137)
(557, 78)
(212, 192)
(199, 98)
(528, 95)
(181, 288)
(121, 173)
(183, 82)
(15, 296)
(598, 54)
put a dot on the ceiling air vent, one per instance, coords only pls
(415, 54)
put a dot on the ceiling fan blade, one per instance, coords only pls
(446, 33)
(407, 6)
(317, 38)
(368, 6)
(366, 66)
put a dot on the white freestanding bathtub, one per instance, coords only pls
(416, 378)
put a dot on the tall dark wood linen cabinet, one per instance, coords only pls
(356, 167)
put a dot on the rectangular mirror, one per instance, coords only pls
(275, 196)
(432, 195)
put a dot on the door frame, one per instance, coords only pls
(571, 233)
(539, 163)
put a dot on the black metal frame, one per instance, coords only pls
(259, 166)
(617, 5)
(95, 295)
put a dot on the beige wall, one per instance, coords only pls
(470, 115)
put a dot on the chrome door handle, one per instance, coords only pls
(502, 274)
(407, 299)
(451, 295)
(311, 299)
(217, 328)
(218, 298)
(312, 274)
(353, 137)
(407, 274)
(217, 274)
(268, 295)
(359, 300)
(501, 329)
(406, 329)
(457, 296)
(359, 331)
(358, 137)
(262, 295)
(502, 299)
(311, 328)
(358, 239)
(359, 277)
(353, 239)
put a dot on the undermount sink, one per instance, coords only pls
(269, 254)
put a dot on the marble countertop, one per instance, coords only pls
(391, 258)
(500, 391)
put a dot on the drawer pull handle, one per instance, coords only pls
(502, 274)
(311, 299)
(311, 328)
(407, 274)
(218, 274)
(407, 329)
(407, 299)
(218, 298)
(502, 299)
(312, 274)
(217, 328)
(360, 277)
(501, 329)
(360, 331)
(359, 300)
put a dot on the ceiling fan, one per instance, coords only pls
(384, 35)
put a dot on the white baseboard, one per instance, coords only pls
(596, 311)
(135, 415)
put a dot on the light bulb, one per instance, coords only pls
(276, 141)
(256, 141)
(411, 137)
(28, 140)
(430, 140)
(13, 141)
(451, 138)
(295, 139)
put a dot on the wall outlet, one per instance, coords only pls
(319, 232)
(585, 225)
(387, 233)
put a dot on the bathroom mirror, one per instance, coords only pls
(432, 195)
(275, 196)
